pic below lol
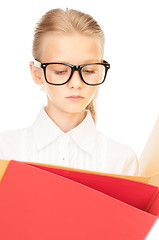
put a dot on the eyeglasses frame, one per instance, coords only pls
(73, 68)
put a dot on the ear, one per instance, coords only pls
(36, 74)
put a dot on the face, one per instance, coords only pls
(75, 49)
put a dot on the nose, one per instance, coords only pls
(75, 81)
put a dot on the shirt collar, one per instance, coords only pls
(46, 131)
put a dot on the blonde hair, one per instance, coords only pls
(67, 21)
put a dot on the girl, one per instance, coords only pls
(68, 49)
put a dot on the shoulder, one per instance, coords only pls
(119, 154)
(12, 141)
(18, 134)
(113, 145)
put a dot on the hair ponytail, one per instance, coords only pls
(92, 107)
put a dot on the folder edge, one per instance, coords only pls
(3, 167)
(153, 180)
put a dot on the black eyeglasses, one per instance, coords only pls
(92, 74)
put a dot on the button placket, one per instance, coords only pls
(63, 148)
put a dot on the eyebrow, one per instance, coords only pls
(87, 61)
(92, 60)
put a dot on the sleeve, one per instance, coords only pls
(4, 148)
(132, 164)
(2, 155)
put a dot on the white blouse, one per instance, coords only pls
(83, 147)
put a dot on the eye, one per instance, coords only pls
(60, 72)
(90, 69)
(87, 71)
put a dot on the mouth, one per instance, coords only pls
(75, 98)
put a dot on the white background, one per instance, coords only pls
(127, 103)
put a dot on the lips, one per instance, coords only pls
(75, 98)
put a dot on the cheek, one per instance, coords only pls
(52, 92)
(56, 94)
(92, 92)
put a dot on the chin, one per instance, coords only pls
(75, 110)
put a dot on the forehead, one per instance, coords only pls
(73, 48)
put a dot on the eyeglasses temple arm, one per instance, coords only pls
(37, 64)
(108, 65)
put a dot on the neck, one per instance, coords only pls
(65, 121)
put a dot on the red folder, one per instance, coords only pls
(40, 202)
